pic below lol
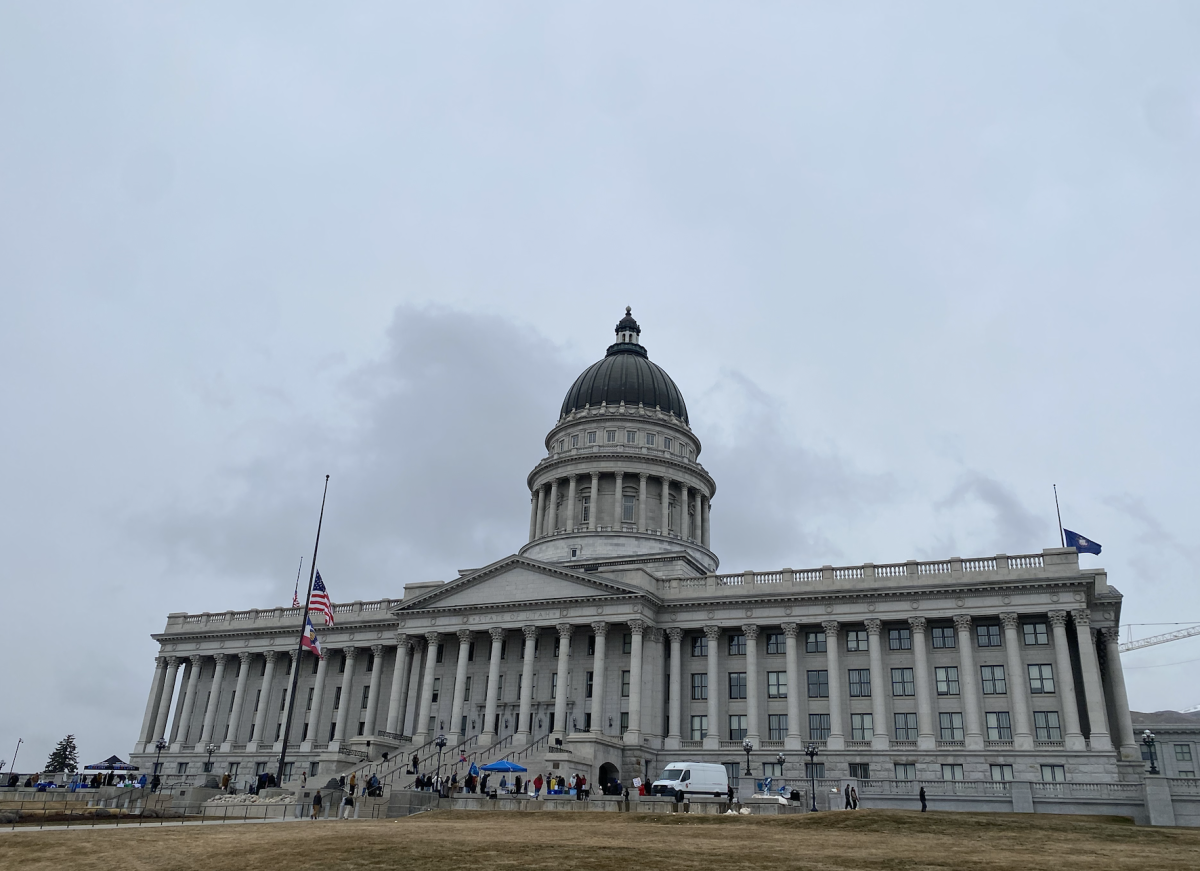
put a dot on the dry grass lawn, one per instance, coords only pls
(471, 840)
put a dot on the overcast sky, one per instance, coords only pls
(910, 264)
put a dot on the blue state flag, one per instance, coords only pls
(1081, 544)
(474, 770)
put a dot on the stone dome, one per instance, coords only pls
(625, 375)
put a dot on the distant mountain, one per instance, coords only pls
(1165, 718)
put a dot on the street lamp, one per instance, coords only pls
(811, 752)
(440, 743)
(747, 746)
(211, 748)
(1148, 740)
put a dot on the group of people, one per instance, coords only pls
(851, 798)
(80, 781)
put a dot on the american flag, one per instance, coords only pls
(319, 601)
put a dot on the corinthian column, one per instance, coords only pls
(525, 728)
(600, 630)
(346, 703)
(460, 686)
(837, 728)
(156, 688)
(634, 734)
(239, 700)
(264, 697)
(712, 740)
(214, 696)
(164, 704)
(373, 689)
(674, 735)
(707, 524)
(1092, 690)
(618, 514)
(489, 712)
(641, 517)
(541, 512)
(969, 684)
(666, 506)
(698, 518)
(399, 684)
(571, 503)
(684, 532)
(189, 703)
(879, 735)
(1116, 685)
(750, 630)
(552, 509)
(315, 724)
(925, 735)
(560, 691)
(1065, 683)
(421, 731)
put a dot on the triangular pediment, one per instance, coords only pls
(518, 580)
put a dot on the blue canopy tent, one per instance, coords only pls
(112, 763)
(504, 765)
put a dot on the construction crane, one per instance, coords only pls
(1126, 646)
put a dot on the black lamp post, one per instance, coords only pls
(211, 748)
(812, 753)
(160, 745)
(1148, 740)
(440, 743)
(747, 746)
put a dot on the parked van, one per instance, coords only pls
(692, 778)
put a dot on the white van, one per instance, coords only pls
(692, 778)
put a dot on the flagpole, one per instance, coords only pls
(1061, 537)
(296, 594)
(287, 726)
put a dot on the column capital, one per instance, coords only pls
(172, 661)
(219, 658)
(791, 630)
(1082, 617)
(564, 631)
(531, 631)
(667, 479)
(874, 627)
(831, 629)
(1111, 634)
(750, 630)
(270, 655)
(402, 639)
(432, 638)
(962, 622)
(377, 650)
(350, 653)
(464, 636)
(497, 633)
(917, 624)
(713, 632)
(1058, 619)
(572, 477)
(160, 662)
(595, 476)
(195, 659)
(244, 656)
(637, 627)
(599, 628)
(1010, 620)
(675, 634)
(642, 476)
(619, 475)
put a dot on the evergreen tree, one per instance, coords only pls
(64, 757)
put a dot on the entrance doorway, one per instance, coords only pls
(608, 773)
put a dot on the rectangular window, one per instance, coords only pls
(627, 643)
(737, 684)
(814, 642)
(1002, 773)
(906, 727)
(988, 636)
(776, 684)
(591, 645)
(630, 436)
(342, 664)
(471, 652)
(316, 664)
(856, 639)
(437, 689)
(777, 725)
(993, 680)
(1054, 773)
(999, 728)
(818, 684)
(699, 727)
(952, 772)
(500, 688)
(624, 721)
(625, 684)
(1035, 634)
(814, 769)
(1041, 679)
(737, 645)
(467, 689)
(308, 704)
(899, 639)
(905, 770)
(520, 682)
(699, 686)
(947, 680)
(370, 662)
(951, 726)
(575, 441)
(587, 692)
(776, 642)
(628, 507)
(1046, 726)
(943, 637)
(666, 443)
(860, 770)
(503, 649)
(772, 769)
(700, 645)
(818, 727)
(610, 436)
(282, 701)
(587, 509)
(591, 437)
(860, 683)
(862, 727)
(366, 697)
(337, 698)
(737, 727)
(441, 652)
(650, 439)
(1183, 752)
(181, 768)
(903, 683)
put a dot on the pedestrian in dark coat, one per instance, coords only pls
(922, 799)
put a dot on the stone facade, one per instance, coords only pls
(612, 631)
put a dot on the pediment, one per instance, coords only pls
(518, 580)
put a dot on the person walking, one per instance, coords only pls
(922, 795)
(347, 806)
(854, 797)
(849, 806)
(537, 787)
(353, 782)
(225, 782)
(303, 779)
(416, 763)
(316, 805)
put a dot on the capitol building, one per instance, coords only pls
(611, 643)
